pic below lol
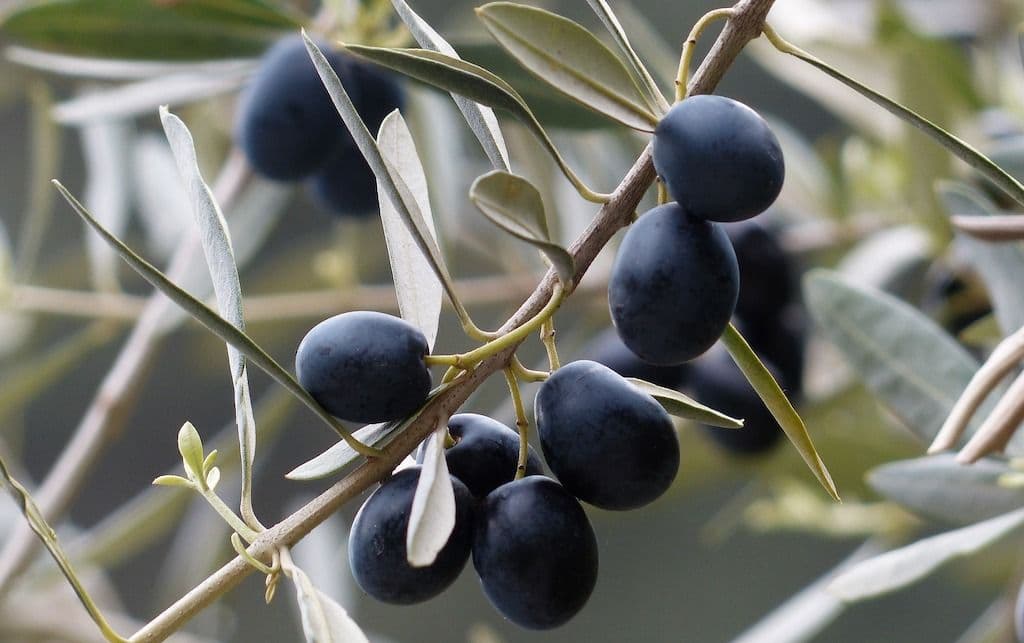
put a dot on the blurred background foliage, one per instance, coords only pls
(734, 540)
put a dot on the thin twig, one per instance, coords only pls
(999, 228)
(744, 26)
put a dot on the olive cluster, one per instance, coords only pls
(289, 130)
(532, 545)
(677, 278)
(674, 287)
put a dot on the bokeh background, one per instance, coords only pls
(732, 541)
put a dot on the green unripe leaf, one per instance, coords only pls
(190, 445)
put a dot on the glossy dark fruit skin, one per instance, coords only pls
(767, 274)
(607, 442)
(607, 348)
(718, 158)
(365, 366)
(286, 124)
(535, 552)
(719, 383)
(673, 286)
(486, 453)
(346, 185)
(376, 546)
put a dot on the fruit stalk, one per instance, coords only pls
(743, 26)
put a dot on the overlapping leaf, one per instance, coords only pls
(481, 119)
(901, 567)
(904, 358)
(940, 487)
(778, 404)
(683, 406)
(419, 291)
(432, 516)
(513, 204)
(569, 58)
(220, 259)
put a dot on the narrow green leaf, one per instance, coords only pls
(172, 481)
(211, 459)
(190, 446)
(549, 107)
(42, 529)
(420, 293)
(683, 406)
(903, 357)
(207, 317)
(147, 30)
(901, 567)
(940, 487)
(323, 620)
(958, 147)
(781, 409)
(481, 119)
(475, 83)
(335, 458)
(570, 59)
(652, 95)
(1000, 264)
(220, 260)
(390, 181)
(432, 516)
(513, 204)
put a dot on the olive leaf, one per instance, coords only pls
(1000, 264)
(570, 59)
(482, 120)
(419, 291)
(781, 409)
(940, 487)
(323, 620)
(147, 30)
(475, 83)
(341, 454)
(209, 318)
(390, 181)
(903, 357)
(432, 516)
(335, 458)
(683, 406)
(48, 537)
(652, 95)
(513, 204)
(901, 567)
(957, 146)
(220, 259)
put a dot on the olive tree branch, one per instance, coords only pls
(744, 25)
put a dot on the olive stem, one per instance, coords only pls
(526, 374)
(513, 337)
(522, 423)
(547, 336)
(683, 77)
(232, 519)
